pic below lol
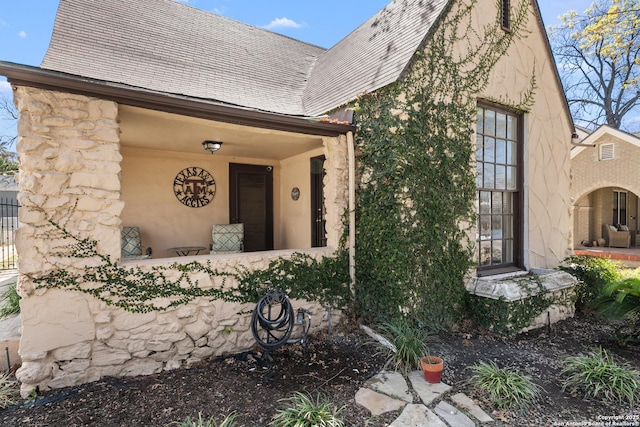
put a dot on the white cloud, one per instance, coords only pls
(5, 88)
(282, 23)
(23, 34)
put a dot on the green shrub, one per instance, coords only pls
(597, 375)
(9, 390)
(620, 299)
(305, 412)
(410, 345)
(593, 273)
(507, 389)
(10, 303)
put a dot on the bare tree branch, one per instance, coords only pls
(598, 57)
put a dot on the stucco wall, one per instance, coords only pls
(547, 140)
(296, 214)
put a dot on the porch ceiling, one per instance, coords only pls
(150, 129)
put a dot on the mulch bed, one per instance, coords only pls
(333, 366)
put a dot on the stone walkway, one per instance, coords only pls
(390, 391)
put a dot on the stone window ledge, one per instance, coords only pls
(513, 287)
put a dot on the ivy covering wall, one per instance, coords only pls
(415, 202)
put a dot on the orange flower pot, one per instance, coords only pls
(432, 368)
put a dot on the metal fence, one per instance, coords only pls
(8, 226)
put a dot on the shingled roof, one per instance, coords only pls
(169, 47)
(372, 56)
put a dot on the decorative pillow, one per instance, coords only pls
(613, 228)
(131, 242)
(227, 237)
(624, 228)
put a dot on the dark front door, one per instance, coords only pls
(318, 233)
(251, 203)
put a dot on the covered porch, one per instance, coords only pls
(278, 184)
(629, 257)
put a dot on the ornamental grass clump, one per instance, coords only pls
(506, 389)
(306, 412)
(8, 391)
(599, 376)
(10, 302)
(409, 345)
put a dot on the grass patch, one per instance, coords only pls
(306, 412)
(599, 376)
(506, 389)
(10, 302)
(9, 391)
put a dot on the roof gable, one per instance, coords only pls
(372, 56)
(174, 48)
(604, 130)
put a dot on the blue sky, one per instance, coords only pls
(26, 25)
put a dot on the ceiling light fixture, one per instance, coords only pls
(212, 146)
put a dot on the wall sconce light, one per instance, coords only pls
(212, 146)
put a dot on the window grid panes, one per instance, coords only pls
(498, 186)
(619, 208)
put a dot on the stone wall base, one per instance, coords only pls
(502, 299)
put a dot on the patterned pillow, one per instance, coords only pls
(227, 237)
(131, 242)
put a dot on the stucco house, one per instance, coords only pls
(112, 126)
(605, 188)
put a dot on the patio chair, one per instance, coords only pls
(227, 238)
(132, 245)
(616, 238)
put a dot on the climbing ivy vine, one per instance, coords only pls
(416, 196)
(157, 288)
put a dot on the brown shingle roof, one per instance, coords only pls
(169, 47)
(372, 56)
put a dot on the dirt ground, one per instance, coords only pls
(334, 366)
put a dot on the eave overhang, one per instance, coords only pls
(24, 75)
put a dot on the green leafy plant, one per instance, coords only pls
(599, 376)
(10, 302)
(593, 274)
(229, 421)
(9, 390)
(510, 317)
(417, 186)
(410, 344)
(159, 288)
(506, 388)
(303, 411)
(620, 299)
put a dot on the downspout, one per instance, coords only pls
(352, 212)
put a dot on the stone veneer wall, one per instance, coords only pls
(84, 339)
(69, 173)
